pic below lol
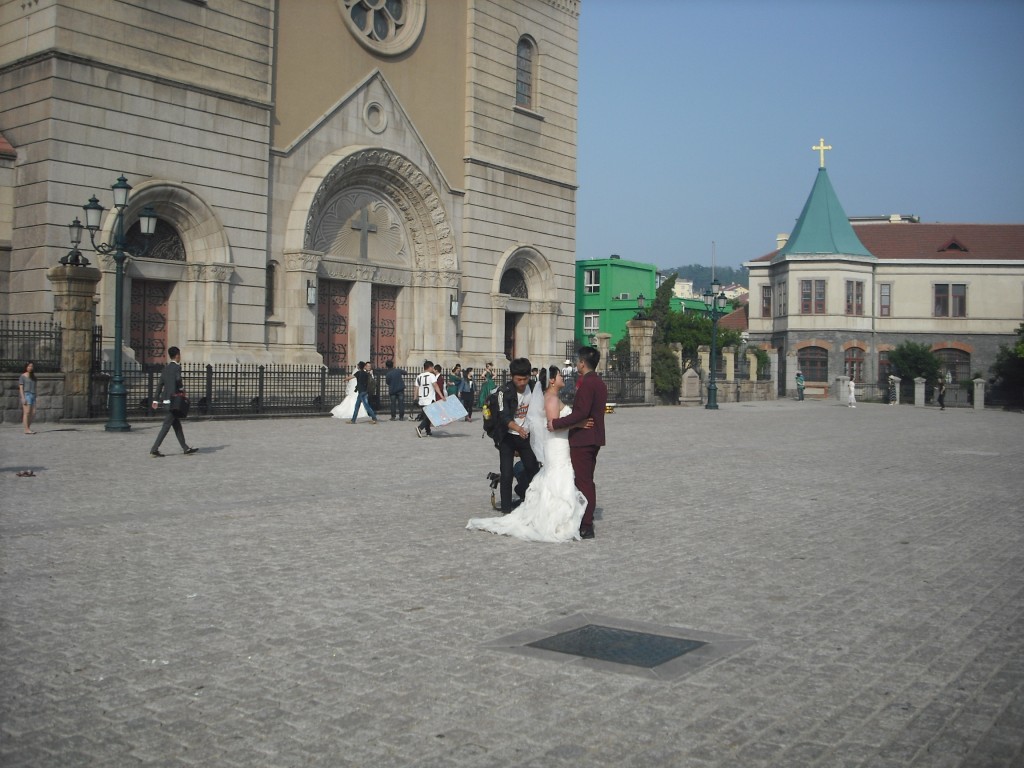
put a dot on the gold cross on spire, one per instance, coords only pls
(821, 148)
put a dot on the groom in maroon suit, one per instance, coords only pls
(584, 444)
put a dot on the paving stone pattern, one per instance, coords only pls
(303, 593)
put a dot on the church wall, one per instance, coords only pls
(77, 123)
(157, 37)
(319, 61)
(541, 140)
(520, 174)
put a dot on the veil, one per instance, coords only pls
(537, 423)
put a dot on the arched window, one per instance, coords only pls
(514, 284)
(853, 364)
(525, 56)
(813, 362)
(956, 363)
(164, 243)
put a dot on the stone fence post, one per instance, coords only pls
(74, 308)
(919, 392)
(979, 394)
(641, 341)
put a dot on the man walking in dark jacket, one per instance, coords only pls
(362, 393)
(170, 385)
(396, 389)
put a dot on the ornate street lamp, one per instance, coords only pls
(118, 421)
(641, 302)
(715, 301)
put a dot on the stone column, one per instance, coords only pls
(74, 308)
(841, 390)
(751, 366)
(729, 357)
(604, 346)
(792, 366)
(979, 394)
(641, 341)
(919, 392)
(773, 363)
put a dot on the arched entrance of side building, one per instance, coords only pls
(176, 292)
(525, 306)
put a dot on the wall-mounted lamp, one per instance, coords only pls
(310, 293)
(453, 306)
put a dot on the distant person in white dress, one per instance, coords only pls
(852, 400)
(553, 507)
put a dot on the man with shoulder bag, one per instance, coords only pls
(511, 436)
(168, 391)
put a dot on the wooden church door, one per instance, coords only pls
(332, 322)
(149, 309)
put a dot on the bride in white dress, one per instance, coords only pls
(344, 409)
(553, 507)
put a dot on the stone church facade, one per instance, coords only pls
(335, 180)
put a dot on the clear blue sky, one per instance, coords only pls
(697, 118)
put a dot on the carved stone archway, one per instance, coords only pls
(527, 324)
(357, 191)
(199, 309)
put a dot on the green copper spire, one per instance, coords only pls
(823, 228)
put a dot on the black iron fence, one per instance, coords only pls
(24, 341)
(301, 390)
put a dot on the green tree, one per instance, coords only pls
(1008, 368)
(911, 360)
(661, 308)
(665, 374)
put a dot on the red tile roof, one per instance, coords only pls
(957, 242)
(737, 319)
(985, 242)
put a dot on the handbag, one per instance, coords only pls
(179, 405)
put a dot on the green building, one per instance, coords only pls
(607, 293)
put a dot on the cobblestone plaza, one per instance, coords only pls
(303, 592)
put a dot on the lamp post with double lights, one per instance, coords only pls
(714, 300)
(117, 421)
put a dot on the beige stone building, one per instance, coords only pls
(335, 180)
(839, 294)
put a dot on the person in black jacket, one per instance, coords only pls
(511, 435)
(170, 385)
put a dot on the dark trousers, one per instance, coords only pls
(584, 459)
(170, 420)
(424, 421)
(467, 403)
(398, 401)
(511, 444)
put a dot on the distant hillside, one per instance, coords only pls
(701, 275)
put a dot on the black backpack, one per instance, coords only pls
(490, 413)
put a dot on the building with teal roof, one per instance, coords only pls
(839, 294)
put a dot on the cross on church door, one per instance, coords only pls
(383, 318)
(332, 322)
(149, 307)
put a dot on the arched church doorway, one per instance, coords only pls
(150, 315)
(513, 284)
